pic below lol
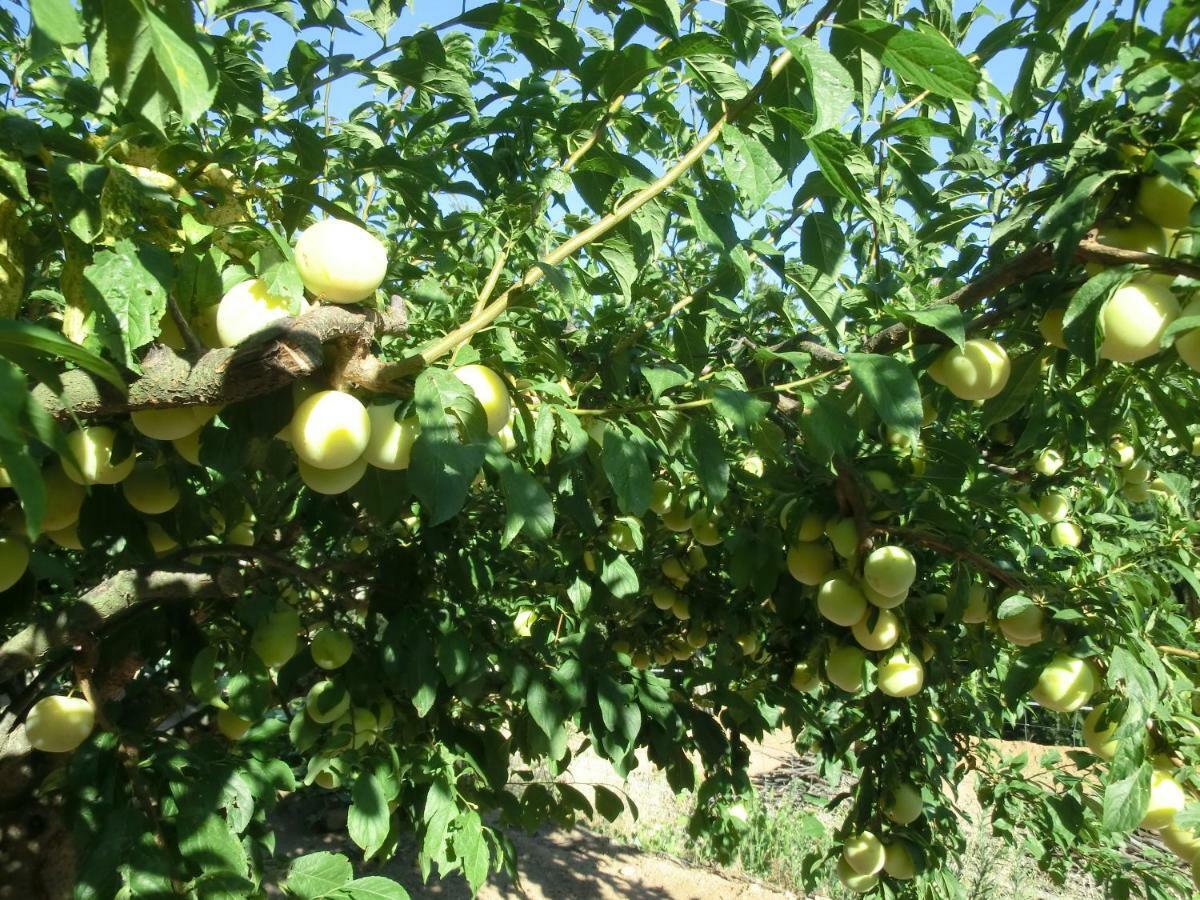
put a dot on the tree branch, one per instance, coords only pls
(272, 359)
(1091, 251)
(933, 542)
(117, 594)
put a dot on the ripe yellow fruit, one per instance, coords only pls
(675, 571)
(340, 261)
(663, 597)
(901, 674)
(67, 538)
(682, 609)
(843, 667)
(64, 499)
(1183, 842)
(1051, 327)
(188, 447)
(1024, 628)
(490, 391)
(246, 309)
(696, 560)
(811, 527)
(843, 534)
(704, 531)
(1066, 534)
(697, 637)
(390, 444)
(332, 481)
(171, 424)
(330, 430)
(1098, 735)
(621, 536)
(1054, 507)
(748, 643)
(90, 458)
(904, 804)
(150, 490)
(1135, 318)
(809, 562)
(660, 496)
(853, 881)
(232, 725)
(804, 678)
(676, 518)
(326, 702)
(331, 649)
(1066, 683)
(977, 371)
(1122, 453)
(890, 570)
(976, 611)
(883, 601)
(898, 862)
(1166, 799)
(159, 539)
(1138, 234)
(840, 601)
(864, 853)
(1137, 472)
(1163, 203)
(274, 640)
(885, 633)
(1187, 345)
(59, 724)
(1048, 462)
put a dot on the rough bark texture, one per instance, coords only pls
(272, 359)
(115, 595)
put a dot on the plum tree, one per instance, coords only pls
(619, 380)
(340, 261)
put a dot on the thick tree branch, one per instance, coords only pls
(1091, 251)
(117, 594)
(272, 359)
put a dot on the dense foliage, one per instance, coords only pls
(852, 393)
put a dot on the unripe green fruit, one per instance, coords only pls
(696, 560)
(246, 309)
(1123, 454)
(890, 570)
(1135, 318)
(231, 724)
(327, 779)
(366, 728)
(67, 538)
(885, 633)
(1054, 507)
(1051, 327)
(1048, 463)
(159, 539)
(883, 601)
(1139, 235)
(150, 491)
(1024, 628)
(331, 649)
(904, 804)
(674, 570)
(171, 424)
(490, 391)
(843, 667)
(804, 678)
(507, 439)
(1166, 799)
(843, 534)
(640, 660)
(64, 499)
(1183, 842)
(59, 724)
(390, 444)
(704, 532)
(90, 457)
(1137, 473)
(275, 639)
(330, 430)
(898, 862)
(811, 528)
(663, 655)
(976, 610)
(523, 622)
(749, 644)
(840, 601)
(1098, 736)
(326, 702)
(1160, 201)
(332, 481)
(864, 853)
(1066, 684)
(809, 562)
(697, 637)
(660, 496)
(620, 535)
(676, 518)
(901, 674)
(1187, 345)
(1066, 534)
(188, 447)
(682, 609)
(1136, 493)
(663, 597)
(852, 880)
(977, 371)
(340, 261)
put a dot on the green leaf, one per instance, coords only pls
(529, 506)
(441, 469)
(56, 25)
(832, 89)
(890, 387)
(742, 410)
(19, 335)
(186, 65)
(608, 804)
(628, 471)
(1024, 381)
(822, 244)
(619, 577)
(1126, 800)
(662, 378)
(708, 452)
(75, 188)
(372, 887)
(925, 59)
(543, 708)
(368, 820)
(471, 849)
(126, 288)
(945, 317)
(317, 874)
(749, 165)
(831, 149)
